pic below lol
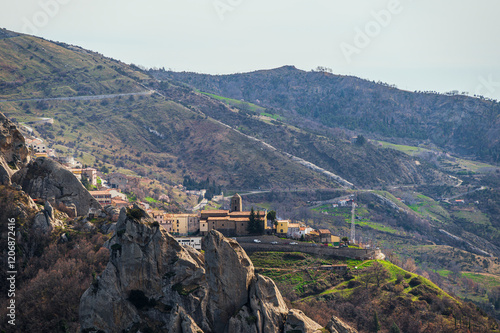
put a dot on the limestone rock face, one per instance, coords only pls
(229, 274)
(335, 325)
(46, 179)
(271, 314)
(148, 274)
(297, 321)
(152, 283)
(181, 322)
(13, 152)
(44, 221)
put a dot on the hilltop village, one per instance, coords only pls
(188, 228)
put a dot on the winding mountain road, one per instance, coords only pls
(80, 98)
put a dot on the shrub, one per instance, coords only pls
(415, 282)
(135, 213)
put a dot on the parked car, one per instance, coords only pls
(275, 242)
(257, 241)
(294, 243)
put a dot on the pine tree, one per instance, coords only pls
(376, 323)
(394, 328)
(259, 224)
(251, 222)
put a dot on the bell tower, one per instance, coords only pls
(236, 204)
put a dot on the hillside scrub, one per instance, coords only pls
(50, 284)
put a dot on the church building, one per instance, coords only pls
(232, 222)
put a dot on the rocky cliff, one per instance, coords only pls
(48, 180)
(151, 283)
(13, 152)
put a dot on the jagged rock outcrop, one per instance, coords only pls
(298, 322)
(335, 325)
(228, 287)
(44, 220)
(13, 152)
(153, 283)
(46, 179)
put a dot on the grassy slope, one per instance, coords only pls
(118, 129)
(299, 279)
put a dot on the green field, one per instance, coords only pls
(236, 103)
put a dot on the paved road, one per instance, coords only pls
(462, 194)
(80, 98)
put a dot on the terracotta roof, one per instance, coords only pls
(239, 219)
(214, 212)
(241, 213)
(324, 231)
(218, 218)
(247, 213)
(121, 201)
(293, 225)
(100, 193)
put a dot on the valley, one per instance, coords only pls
(421, 168)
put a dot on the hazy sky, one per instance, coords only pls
(439, 45)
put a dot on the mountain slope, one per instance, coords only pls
(108, 113)
(361, 164)
(460, 124)
(148, 134)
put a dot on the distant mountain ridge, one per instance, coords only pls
(458, 124)
(166, 131)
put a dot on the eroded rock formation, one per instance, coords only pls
(13, 152)
(48, 180)
(153, 283)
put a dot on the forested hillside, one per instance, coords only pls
(459, 124)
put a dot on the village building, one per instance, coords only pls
(293, 230)
(36, 146)
(183, 224)
(103, 197)
(325, 236)
(282, 227)
(117, 180)
(194, 242)
(303, 231)
(119, 203)
(117, 194)
(68, 161)
(233, 222)
(90, 173)
(335, 240)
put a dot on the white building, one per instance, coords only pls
(36, 145)
(194, 242)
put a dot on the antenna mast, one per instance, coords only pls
(353, 225)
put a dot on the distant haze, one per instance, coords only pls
(440, 45)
